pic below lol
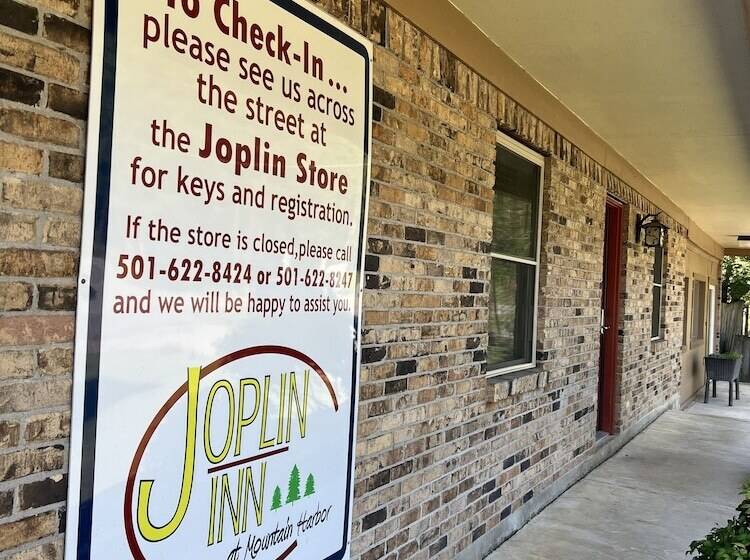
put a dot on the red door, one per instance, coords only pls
(609, 315)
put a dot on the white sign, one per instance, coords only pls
(217, 344)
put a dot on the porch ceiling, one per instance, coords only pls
(665, 82)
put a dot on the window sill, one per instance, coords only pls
(503, 386)
(658, 344)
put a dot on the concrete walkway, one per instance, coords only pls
(666, 488)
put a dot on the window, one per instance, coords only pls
(686, 294)
(657, 293)
(699, 311)
(515, 258)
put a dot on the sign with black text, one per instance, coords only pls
(217, 340)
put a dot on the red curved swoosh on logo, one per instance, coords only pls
(135, 549)
(288, 551)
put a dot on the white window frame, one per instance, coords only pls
(537, 159)
(695, 342)
(711, 328)
(654, 285)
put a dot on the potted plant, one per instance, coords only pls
(724, 367)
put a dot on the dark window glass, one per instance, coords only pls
(658, 290)
(658, 265)
(516, 206)
(511, 314)
(656, 315)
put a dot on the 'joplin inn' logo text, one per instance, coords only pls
(269, 413)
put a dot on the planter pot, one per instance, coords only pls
(723, 369)
(745, 372)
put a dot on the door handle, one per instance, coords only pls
(602, 326)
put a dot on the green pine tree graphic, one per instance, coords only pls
(276, 503)
(293, 494)
(310, 486)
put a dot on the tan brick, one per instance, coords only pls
(10, 433)
(39, 128)
(56, 361)
(47, 551)
(34, 57)
(16, 364)
(28, 530)
(497, 390)
(86, 11)
(25, 462)
(15, 157)
(17, 228)
(62, 233)
(29, 330)
(38, 195)
(67, 7)
(524, 383)
(43, 264)
(23, 397)
(15, 296)
(48, 427)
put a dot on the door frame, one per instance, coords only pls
(614, 222)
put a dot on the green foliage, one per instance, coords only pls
(731, 542)
(310, 486)
(735, 284)
(293, 494)
(276, 502)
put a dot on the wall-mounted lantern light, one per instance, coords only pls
(653, 230)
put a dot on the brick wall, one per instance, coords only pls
(443, 454)
(44, 50)
(649, 372)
